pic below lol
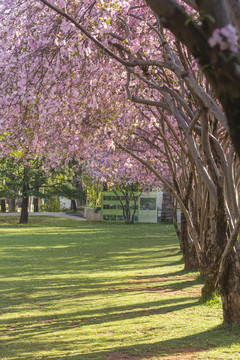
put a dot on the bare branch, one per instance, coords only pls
(207, 100)
(193, 148)
(194, 120)
(213, 170)
(173, 192)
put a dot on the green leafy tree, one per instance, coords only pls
(25, 178)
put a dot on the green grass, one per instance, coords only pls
(78, 290)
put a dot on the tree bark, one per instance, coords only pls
(73, 205)
(215, 242)
(187, 247)
(24, 211)
(230, 99)
(167, 206)
(12, 203)
(25, 198)
(127, 212)
(36, 204)
(3, 206)
(230, 294)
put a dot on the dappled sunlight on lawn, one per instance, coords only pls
(92, 291)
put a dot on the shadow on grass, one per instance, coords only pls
(199, 342)
(48, 269)
(72, 248)
(95, 316)
(50, 286)
(28, 327)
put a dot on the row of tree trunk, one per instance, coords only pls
(13, 205)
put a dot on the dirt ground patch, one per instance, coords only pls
(193, 292)
(161, 279)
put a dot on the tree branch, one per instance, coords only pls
(174, 17)
(133, 63)
(173, 192)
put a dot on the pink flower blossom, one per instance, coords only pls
(226, 38)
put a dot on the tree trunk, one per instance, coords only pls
(190, 258)
(12, 205)
(24, 211)
(3, 205)
(229, 278)
(73, 205)
(128, 219)
(81, 202)
(230, 293)
(36, 204)
(30, 201)
(167, 206)
(210, 279)
(187, 247)
(215, 242)
(25, 199)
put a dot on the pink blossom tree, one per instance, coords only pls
(210, 30)
(178, 117)
(122, 174)
(207, 155)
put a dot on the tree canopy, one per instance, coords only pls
(109, 84)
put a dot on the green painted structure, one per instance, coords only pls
(148, 205)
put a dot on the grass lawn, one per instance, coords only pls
(83, 291)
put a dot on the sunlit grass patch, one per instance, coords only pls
(78, 290)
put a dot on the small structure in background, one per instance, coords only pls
(148, 206)
(64, 203)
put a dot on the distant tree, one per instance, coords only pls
(30, 178)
